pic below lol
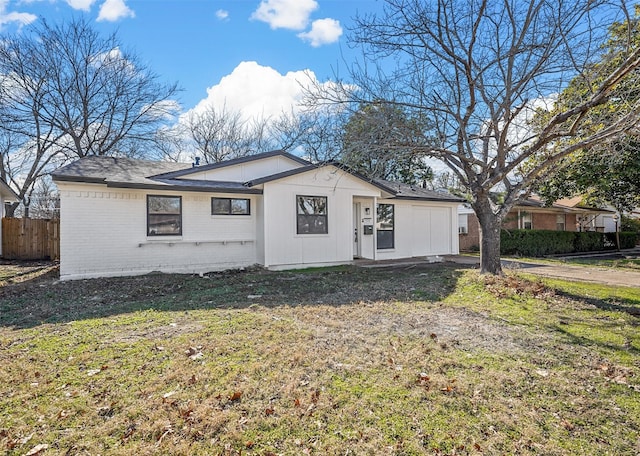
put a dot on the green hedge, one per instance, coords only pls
(548, 242)
(628, 240)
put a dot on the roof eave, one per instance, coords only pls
(427, 198)
(182, 188)
(7, 192)
(78, 179)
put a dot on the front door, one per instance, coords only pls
(356, 230)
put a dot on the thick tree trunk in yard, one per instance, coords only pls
(490, 247)
(490, 226)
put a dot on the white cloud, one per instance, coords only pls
(287, 14)
(14, 16)
(258, 91)
(84, 5)
(222, 14)
(323, 31)
(113, 10)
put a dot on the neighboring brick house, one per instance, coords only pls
(567, 214)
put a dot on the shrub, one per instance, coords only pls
(628, 240)
(588, 241)
(536, 242)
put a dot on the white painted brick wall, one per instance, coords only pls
(103, 233)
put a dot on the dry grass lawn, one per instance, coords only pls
(410, 360)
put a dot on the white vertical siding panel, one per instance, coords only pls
(284, 246)
(244, 172)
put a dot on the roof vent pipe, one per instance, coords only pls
(197, 162)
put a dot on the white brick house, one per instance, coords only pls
(124, 217)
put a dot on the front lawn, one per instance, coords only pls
(429, 359)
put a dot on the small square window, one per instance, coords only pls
(230, 206)
(164, 215)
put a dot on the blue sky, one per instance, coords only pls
(248, 55)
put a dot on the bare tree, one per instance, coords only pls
(478, 69)
(216, 135)
(67, 92)
(317, 134)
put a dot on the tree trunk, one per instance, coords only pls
(490, 226)
(10, 209)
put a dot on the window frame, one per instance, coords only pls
(385, 230)
(301, 216)
(231, 200)
(561, 221)
(150, 215)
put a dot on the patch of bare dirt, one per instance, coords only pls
(449, 327)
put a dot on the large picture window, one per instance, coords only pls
(164, 215)
(230, 206)
(385, 226)
(311, 214)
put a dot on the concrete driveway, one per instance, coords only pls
(609, 276)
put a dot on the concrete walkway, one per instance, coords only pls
(608, 276)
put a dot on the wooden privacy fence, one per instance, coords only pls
(30, 239)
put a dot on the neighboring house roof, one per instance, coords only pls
(562, 205)
(143, 174)
(6, 193)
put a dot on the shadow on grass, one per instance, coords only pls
(588, 341)
(630, 306)
(47, 300)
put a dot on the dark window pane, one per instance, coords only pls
(312, 215)
(220, 206)
(385, 239)
(164, 204)
(385, 226)
(164, 215)
(312, 224)
(230, 206)
(385, 217)
(312, 205)
(164, 224)
(240, 206)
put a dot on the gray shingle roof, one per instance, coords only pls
(130, 173)
(406, 191)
